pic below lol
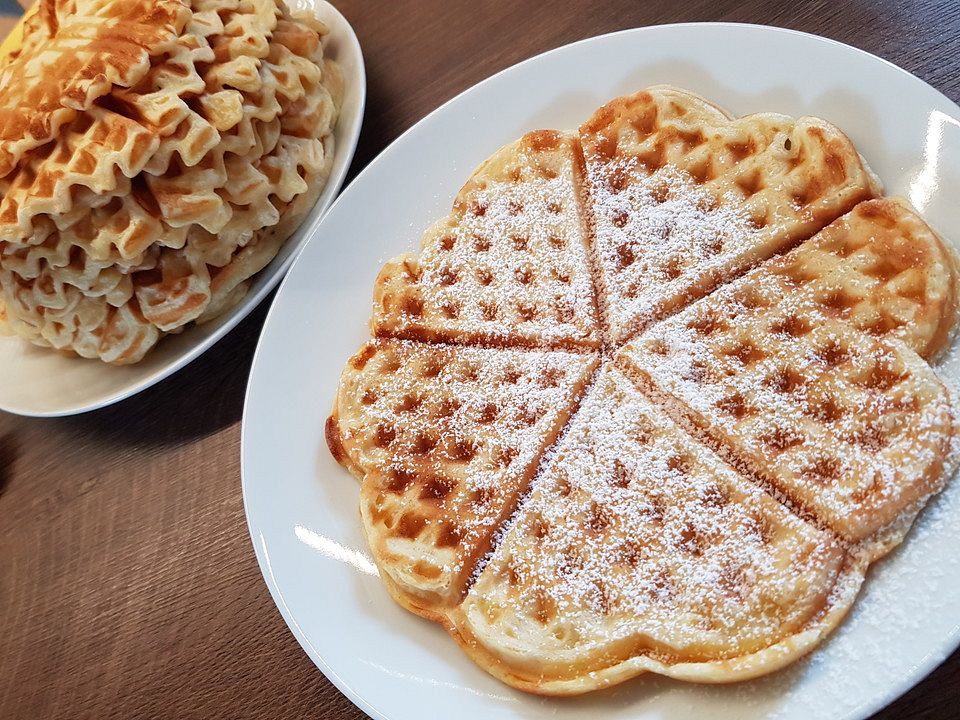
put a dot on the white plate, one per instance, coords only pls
(41, 383)
(302, 508)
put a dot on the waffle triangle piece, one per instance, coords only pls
(883, 270)
(684, 197)
(508, 266)
(855, 430)
(444, 440)
(640, 549)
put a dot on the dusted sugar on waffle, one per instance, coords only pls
(445, 439)
(854, 429)
(640, 549)
(180, 174)
(683, 197)
(886, 272)
(508, 266)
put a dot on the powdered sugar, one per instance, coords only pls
(510, 263)
(658, 236)
(637, 540)
(635, 530)
(848, 427)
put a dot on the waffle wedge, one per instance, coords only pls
(444, 440)
(889, 273)
(640, 549)
(855, 430)
(683, 197)
(508, 266)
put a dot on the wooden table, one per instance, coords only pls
(128, 585)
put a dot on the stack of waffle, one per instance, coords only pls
(652, 397)
(154, 155)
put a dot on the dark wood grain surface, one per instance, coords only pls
(128, 585)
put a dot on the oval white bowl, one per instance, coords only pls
(41, 383)
(302, 507)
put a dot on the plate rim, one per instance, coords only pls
(918, 673)
(329, 195)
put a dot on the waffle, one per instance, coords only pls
(229, 283)
(181, 154)
(892, 275)
(683, 197)
(178, 185)
(852, 429)
(73, 54)
(86, 325)
(760, 421)
(640, 549)
(444, 440)
(508, 266)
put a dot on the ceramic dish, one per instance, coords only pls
(302, 508)
(42, 383)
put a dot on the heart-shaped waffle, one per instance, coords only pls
(704, 469)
